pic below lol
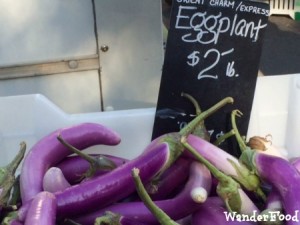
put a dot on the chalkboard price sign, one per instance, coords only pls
(213, 51)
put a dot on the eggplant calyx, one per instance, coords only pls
(7, 175)
(11, 216)
(228, 190)
(109, 218)
(247, 158)
(248, 179)
(96, 163)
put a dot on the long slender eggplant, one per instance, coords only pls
(177, 207)
(73, 167)
(273, 204)
(227, 188)
(115, 219)
(54, 180)
(170, 180)
(282, 175)
(113, 186)
(213, 212)
(49, 151)
(42, 210)
(226, 163)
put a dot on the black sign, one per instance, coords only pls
(213, 51)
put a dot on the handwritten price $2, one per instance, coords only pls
(195, 58)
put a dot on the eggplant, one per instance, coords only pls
(282, 176)
(176, 207)
(273, 204)
(117, 184)
(42, 210)
(226, 163)
(112, 218)
(213, 212)
(54, 180)
(227, 188)
(175, 176)
(49, 151)
(73, 167)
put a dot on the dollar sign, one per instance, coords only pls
(193, 58)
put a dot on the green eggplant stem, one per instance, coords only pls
(200, 130)
(194, 102)
(16, 194)
(7, 177)
(96, 163)
(109, 218)
(14, 164)
(161, 216)
(222, 138)
(240, 140)
(189, 128)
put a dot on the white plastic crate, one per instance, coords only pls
(283, 7)
(276, 111)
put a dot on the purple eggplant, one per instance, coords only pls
(283, 177)
(170, 180)
(273, 204)
(15, 222)
(126, 221)
(226, 163)
(54, 180)
(274, 200)
(42, 210)
(199, 180)
(117, 184)
(213, 212)
(296, 163)
(12, 222)
(74, 167)
(49, 151)
(112, 218)
(227, 188)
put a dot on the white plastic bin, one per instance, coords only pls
(276, 111)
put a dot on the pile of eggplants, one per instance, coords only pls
(187, 180)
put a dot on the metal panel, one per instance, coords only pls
(131, 52)
(73, 92)
(35, 31)
(50, 67)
